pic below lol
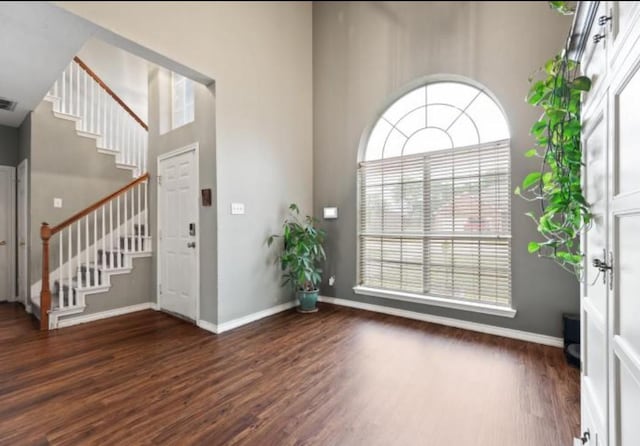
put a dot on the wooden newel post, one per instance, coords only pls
(45, 293)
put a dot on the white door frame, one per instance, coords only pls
(195, 147)
(24, 219)
(11, 240)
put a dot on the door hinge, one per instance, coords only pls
(160, 289)
(159, 180)
(160, 234)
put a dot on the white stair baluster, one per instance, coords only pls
(70, 91)
(111, 253)
(125, 135)
(134, 248)
(126, 223)
(95, 248)
(125, 138)
(117, 146)
(77, 90)
(140, 136)
(104, 116)
(118, 250)
(86, 252)
(146, 209)
(85, 116)
(139, 231)
(60, 256)
(69, 256)
(103, 242)
(92, 105)
(63, 96)
(78, 255)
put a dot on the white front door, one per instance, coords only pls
(7, 235)
(624, 223)
(23, 232)
(178, 232)
(594, 302)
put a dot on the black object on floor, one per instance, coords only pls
(571, 333)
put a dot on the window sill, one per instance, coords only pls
(494, 310)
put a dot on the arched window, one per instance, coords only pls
(435, 199)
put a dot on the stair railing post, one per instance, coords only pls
(45, 293)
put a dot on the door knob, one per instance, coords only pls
(191, 245)
(3, 242)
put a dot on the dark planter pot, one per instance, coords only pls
(308, 301)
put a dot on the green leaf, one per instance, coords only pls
(530, 153)
(533, 247)
(539, 127)
(582, 83)
(531, 179)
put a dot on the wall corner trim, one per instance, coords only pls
(235, 323)
(450, 322)
(62, 323)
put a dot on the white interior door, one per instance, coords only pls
(23, 232)
(7, 233)
(625, 241)
(594, 302)
(178, 238)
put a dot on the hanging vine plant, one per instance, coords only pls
(556, 186)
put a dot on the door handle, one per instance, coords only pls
(3, 243)
(586, 436)
(191, 245)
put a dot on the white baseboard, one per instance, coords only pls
(104, 314)
(213, 328)
(244, 320)
(457, 323)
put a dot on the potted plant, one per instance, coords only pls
(301, 256)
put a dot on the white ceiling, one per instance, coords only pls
(37, 41)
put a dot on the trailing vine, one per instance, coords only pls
(556, 186)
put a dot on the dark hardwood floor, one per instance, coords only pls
(337, 377)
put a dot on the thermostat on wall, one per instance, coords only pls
(330, 213)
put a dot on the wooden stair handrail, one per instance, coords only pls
(77, 216)
(46, 232)
(106, 88)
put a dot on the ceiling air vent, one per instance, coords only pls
(7, 104)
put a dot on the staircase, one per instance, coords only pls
(82, 253)
(80, 95)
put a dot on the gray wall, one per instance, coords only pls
(64, 165)
(126, 290)
(259, 54)
(8, 146)
(363, 52)
(202, 131)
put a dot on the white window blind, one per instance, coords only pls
(438, 223)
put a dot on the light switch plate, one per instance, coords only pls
(57, 202)
(237, 208)
(330, 213)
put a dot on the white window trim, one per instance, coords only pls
(476, 307)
